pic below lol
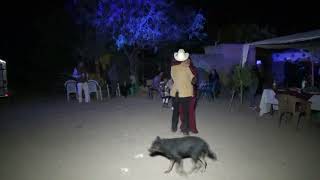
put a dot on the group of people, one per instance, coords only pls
(112, 77)
(183, 92)
(181, 89)
(119, 79)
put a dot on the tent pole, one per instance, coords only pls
(312, 67)
(312, 73)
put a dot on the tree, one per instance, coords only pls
(242, 33)
(133, 25)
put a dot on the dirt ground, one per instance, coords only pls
(50, 139)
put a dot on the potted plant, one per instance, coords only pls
(241, 79)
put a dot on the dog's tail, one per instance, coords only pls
(211, 155)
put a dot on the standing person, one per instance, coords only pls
(80, 73)
(124, 89)
(182, 90)
(214, 80)
(192, 107)
(167, 89)
(253, 86)
(124, 81)
(133, 84)
(114, 78)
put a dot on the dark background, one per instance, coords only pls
(36, 37)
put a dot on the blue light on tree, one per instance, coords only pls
(120, 41)
(133, 25)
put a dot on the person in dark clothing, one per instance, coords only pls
(192, 107)
(253, 86)
(214, 80)
(124, 89)
(114, 79)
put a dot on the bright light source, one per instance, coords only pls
(258, 62)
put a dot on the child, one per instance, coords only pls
(162, 89)
(166, 94)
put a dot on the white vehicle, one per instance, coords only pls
(3, 79)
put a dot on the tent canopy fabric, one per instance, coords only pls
(306, 40)
(289, 39)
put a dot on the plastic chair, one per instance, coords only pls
(71, 88)
(150, 88)
(206, 90)
(291, 105)
(118, 92)
(94, 87)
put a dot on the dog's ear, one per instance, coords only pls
(157, 138)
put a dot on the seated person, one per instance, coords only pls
(156, 83)
(80, 73)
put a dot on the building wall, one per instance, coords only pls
(224, 56)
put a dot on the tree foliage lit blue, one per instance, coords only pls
(139, 24)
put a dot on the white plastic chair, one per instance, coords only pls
(108, 91)
(94, 87)
(118, 92)
(71, 88)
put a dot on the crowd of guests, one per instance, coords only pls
(179, 91)
(181, 88)
(111, 76)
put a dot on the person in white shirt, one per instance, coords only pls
(81, 75)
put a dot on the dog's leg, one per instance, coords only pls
(196, 166)
(180, 169)
(172, 162)
(204, 162)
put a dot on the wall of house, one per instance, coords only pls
(224, 56)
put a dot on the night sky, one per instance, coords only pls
(19, 21)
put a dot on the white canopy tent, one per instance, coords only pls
(307, 40)
(302, 40)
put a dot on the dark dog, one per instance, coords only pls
(176, 149)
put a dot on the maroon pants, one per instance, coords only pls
(192, 116)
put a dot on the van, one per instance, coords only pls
(3, 79)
